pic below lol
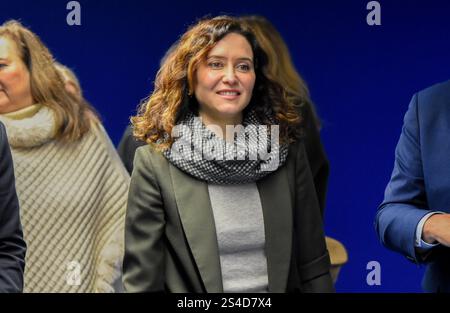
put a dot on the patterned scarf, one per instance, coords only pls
(254, 153)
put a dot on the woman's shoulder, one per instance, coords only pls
(98, 136)
(148, 150)
(296, 147)
(150, 155)
(98, 131)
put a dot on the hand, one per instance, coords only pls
(437, 229)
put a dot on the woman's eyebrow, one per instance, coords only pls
(223, 58)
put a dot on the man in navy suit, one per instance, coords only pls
(12, 245)
(414, 217)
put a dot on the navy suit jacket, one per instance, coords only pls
(420, 183)
(12, 245)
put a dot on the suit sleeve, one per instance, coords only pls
(143, 266)
(405, 201)
(12, 245)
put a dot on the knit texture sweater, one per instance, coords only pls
(72, 199)
(239, 222)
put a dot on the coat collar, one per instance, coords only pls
(197, 218)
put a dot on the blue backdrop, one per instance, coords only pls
(361, 78)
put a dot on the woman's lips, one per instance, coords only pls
(229, 94)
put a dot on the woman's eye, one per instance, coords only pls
(215, 65)
(244, 67)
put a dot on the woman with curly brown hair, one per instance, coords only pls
(222, 198)
(71, 185)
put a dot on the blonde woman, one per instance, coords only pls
(70, 183)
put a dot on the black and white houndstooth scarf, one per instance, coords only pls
(253, 154)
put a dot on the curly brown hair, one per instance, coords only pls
(173, 95)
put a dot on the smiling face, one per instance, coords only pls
(15, 90)
(225, 80)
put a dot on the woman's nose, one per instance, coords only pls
(229, 76)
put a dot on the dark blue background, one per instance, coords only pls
(361, 78)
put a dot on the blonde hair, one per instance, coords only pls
(73, 116)
(173, 94)
(279, 63)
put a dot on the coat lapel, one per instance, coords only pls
(197, 219)
(277, 210)
(198, 223)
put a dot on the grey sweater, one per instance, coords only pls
(240, 233)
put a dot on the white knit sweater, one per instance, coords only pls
(72, 200)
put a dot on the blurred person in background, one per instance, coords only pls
(71, 82)
(71, 185)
